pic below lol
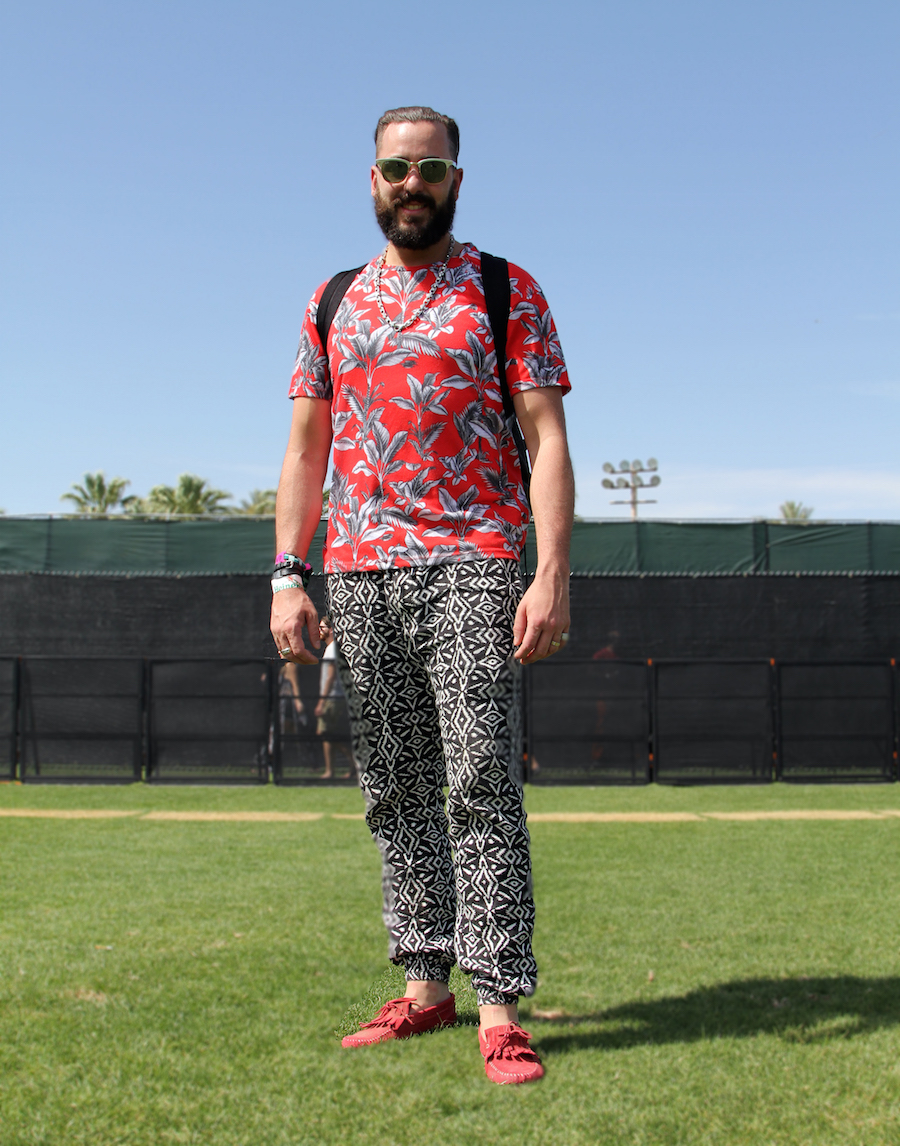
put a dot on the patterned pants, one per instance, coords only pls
(434, 698)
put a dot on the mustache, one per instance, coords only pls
(419, 198)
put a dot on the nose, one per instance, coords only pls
(414, 178)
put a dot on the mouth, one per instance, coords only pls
(415, 204)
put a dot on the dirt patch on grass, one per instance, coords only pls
(95, 998)
(612, 817)
(231, 817)
(66, 813)
(798, 814)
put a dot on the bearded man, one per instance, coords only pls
(427, 521)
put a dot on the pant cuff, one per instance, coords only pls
(427, 966)
(488, 997)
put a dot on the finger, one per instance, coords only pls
(556, 643)
(294, 651)
(534, 644)
(520, 624)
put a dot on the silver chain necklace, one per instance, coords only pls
(429, 299)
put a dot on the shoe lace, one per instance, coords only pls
(512, 1044)
(391, 1016)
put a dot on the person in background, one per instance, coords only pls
(330, 711)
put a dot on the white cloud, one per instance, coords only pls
(695, 492)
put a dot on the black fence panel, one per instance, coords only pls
(9, 706)
(80, 719)
(713, 722)
(837, 721)
(312, 732)
(588, 722)
(209, 721)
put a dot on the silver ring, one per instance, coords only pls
(564, 637)
(282, 652)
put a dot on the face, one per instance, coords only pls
(325, 630)
(415, 215)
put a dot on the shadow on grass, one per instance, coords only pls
(813, 1010)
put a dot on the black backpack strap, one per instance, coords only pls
(331, 299)
(495, 279)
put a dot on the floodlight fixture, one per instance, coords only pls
(632, 481)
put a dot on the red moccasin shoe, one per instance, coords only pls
(395, 1020)
(507, 1056)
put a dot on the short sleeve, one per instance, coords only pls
(534, 357)
(311, 377)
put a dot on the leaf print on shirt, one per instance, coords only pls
(403, 292)
(412, 494)
(497, 481)
(367, 349)
(357, 523)
(438, 319)
(381, 451)
(455, 466)
(545, 369)
(478, 367)
(461, 514)
(513, 535)
(425, 398)
(312, 364)
(538, 326)
(475, 422)
(414, 552)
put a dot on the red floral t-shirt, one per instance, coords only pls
(425, 468)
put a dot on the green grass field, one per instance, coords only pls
(701, 982)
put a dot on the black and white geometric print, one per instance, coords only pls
(434, 697)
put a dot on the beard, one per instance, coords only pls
(420, 235)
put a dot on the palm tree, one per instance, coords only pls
(795, 511)
(260, 503)
(98, 496)
(192, 497)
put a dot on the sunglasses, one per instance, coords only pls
(432, 170)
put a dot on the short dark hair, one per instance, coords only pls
(420, 115)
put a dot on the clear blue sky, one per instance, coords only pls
(707, 192)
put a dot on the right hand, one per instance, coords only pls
(292, 612)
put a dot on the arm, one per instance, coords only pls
(326, 687)
(543, 613)
(298, 509)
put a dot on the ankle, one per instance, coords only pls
(497, 1015)
(427, 992)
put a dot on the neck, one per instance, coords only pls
(404, 257)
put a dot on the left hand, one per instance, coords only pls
(542, 618)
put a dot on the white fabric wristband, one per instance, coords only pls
(279, 583)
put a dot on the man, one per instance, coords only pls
(426, 526)
(331, 709)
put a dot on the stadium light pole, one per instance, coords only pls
(633, 482)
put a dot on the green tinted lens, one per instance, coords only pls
(394, 170)
(434, 170)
